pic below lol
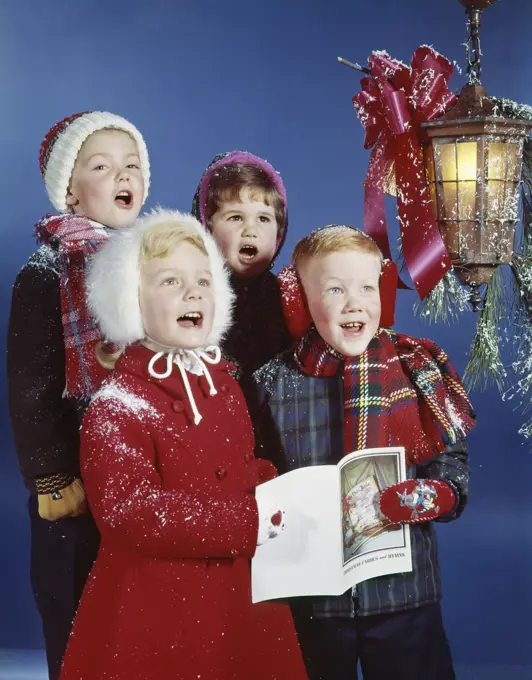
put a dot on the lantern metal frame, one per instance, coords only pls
(480, 239)
(483, 239)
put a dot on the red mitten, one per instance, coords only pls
(417, 500)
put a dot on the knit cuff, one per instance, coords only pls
(52, 483)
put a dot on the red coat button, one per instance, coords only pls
(221, 473)
(248, 457)
(178, 406)
(225, 389)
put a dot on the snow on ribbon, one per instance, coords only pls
(390, 106)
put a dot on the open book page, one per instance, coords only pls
(372, 546)
(362, 507)
(304, 559)
(335, 535)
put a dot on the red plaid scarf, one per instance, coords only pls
(401, 391)
(77, 238)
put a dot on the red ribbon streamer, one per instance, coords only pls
(391, 105)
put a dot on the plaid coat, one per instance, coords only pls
(299, 422)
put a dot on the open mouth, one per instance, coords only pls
(248, 252)
(124, 198)
(191, 320)
(356, 326)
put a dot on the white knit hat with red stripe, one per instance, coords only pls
(62, 144)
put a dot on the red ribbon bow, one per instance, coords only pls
(391, 105)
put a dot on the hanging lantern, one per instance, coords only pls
(473, 160)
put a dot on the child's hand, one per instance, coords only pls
(417, 500)
(271, 522)
(68, 502)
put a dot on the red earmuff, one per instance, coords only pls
(295, 312)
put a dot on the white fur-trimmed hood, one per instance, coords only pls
(113, 281)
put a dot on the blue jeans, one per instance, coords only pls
(407, 645)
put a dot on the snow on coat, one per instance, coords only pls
(169, 595)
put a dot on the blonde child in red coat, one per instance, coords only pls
(168, 465)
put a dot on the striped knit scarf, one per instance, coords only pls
(401, 391)
(76, 238)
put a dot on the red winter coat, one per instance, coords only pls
(169, 596)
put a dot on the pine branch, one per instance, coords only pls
(485, 366)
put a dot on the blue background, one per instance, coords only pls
(206, 76)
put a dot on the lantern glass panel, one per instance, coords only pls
(445, 168)
(467, 161)
(447, 154)
(496, 160)
(450, 232)
(467, 195)
(514, 152)
(450, 200)
(496, 173)
(495, 206)
(466, 156)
